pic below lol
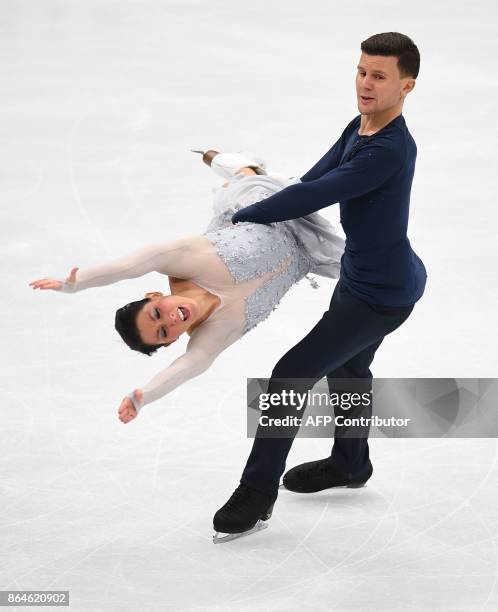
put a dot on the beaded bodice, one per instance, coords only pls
(251, 251)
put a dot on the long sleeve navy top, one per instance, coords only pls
(371, 178)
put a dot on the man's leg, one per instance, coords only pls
(349, 327)
(349, 463)
(350, 455)
(346, 329)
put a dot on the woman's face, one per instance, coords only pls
(165, 318)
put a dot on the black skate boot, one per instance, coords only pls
(318, 475)
(243, 514)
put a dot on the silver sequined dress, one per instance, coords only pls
(248, 266)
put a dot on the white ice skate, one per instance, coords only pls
(227, 164)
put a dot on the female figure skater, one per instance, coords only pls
(223, 282)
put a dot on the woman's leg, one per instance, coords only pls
(243, 171)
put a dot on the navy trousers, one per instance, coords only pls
(341, 346)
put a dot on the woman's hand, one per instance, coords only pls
(50, 283)
(127, 410)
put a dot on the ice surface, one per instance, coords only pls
(101, 102)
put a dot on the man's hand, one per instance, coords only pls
(238, 217)
(234, 218)
(50, 283)
(127, 410)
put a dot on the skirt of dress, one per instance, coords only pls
(316, 236)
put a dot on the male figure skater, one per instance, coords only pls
(369, 171)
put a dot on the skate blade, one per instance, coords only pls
(347, 486)
(221, 539)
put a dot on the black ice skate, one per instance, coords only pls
(319, 475)
(243, 514)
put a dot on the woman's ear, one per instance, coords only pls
(152, 294)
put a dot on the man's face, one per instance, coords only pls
(378, 77)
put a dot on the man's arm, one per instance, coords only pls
(370, 168)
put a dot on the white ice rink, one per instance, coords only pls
(100, 103)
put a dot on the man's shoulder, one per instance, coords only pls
(353, 124)
(393, 136)
(392, 148)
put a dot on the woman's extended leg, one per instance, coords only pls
(243, 171)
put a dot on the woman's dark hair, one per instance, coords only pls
(399, 45)
(126, 326)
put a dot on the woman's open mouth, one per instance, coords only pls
(183, 313)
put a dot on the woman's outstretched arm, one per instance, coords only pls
(170, 258)
(189, 365)
(207, 342)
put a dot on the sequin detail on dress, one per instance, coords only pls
(260, 304)
(251, 250)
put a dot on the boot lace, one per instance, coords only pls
(238, 500)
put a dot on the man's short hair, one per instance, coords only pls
(399, 45)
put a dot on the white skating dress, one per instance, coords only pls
(248, 266)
